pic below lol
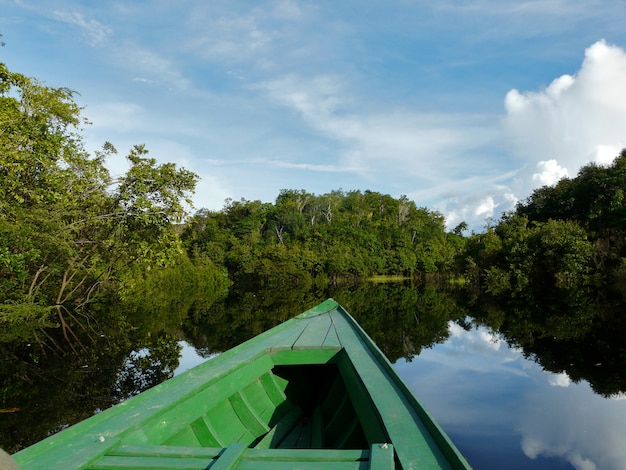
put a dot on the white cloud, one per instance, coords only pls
(95, 32)
(549, 173)
(576, 119)
(559, 380)
(149, 67)
(573, 423)
(425, 146)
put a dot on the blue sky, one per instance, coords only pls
(463, 106)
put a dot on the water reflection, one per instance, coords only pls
(504, 411)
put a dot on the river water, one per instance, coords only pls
(509, 392)
(504, 411)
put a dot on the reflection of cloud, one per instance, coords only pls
(492, 390)
(560, 380)
(575, 424)
(477, 340)
(188, 358)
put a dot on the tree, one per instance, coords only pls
(68, 230)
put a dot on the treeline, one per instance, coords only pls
(333, 237)
(74, 238)
(568, 237)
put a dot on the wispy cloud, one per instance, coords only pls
(149, 67)
(403, 141)
(95, 32)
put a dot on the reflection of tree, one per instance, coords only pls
(133, 347)
(401, 319)
(244, 314)
(570, 332)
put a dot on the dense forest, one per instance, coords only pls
(332, 237)
(74, 238)
(569, 237)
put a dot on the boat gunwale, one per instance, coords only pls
(196, 380)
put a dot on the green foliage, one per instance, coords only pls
(303, 237)
(567, 237)
(69, 232)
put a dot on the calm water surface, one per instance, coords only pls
(503, 411)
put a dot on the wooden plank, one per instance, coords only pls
(226, 425)
(382, 457)
(247, 415)
(275, 392)
(151, 463)
(302, 356)
(314, 334)
(414, 444)
(165, 425)
(166, 451)
(360, 399)
(304, 459)
(277, 434)
(296, 465)
(332, 340)
(317, 428)
(289, 340)
(261, 404)
(207, 437)
(229, 458)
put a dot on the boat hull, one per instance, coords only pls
(313, 392)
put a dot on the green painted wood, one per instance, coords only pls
(302, 356)
(224, 421)
(184, 437)
(281, 429)
(229, 458)
(248, 415)
(314, 334)
(404, 418)
(317, 428)
(166, 451)
(257, 398)
(165, 425)
(206, 436)
(236, 400)
(361, 401)
(332, 340)
(310, 455)
(275, 390)
(150, 463)
(294, 459)
(296, 465)
(382, 457)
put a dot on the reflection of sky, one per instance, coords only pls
(504, 411)
(188, 358)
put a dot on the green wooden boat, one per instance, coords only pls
(313, 392)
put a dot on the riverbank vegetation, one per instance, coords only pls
(77, 243)
(73, 237)
(102, 275)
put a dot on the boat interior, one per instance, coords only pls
(310, 406)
